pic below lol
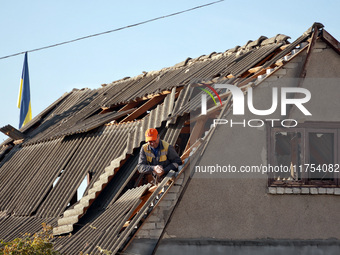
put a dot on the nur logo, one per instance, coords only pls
(204, 98)
(238, 100)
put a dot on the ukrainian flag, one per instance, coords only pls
(24, 100)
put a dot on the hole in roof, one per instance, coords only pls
(57, 179)
(81, 189)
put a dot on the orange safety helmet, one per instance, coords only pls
(151, 134)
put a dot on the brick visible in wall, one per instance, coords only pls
(296, 60)
(272, 190)
(156, 233)
(272, 78)
(160, 225)
(175, 189)
(170, 196)
(321, 190)
(313, 191)
(288, 191)
(296, 190)
(304, 190)
(330, 190)
(280, 72)
(149, 225)
(290, 65)
(337, 191)
(280, 190)
(143, 233)
(154, 218)
(155, 223)
(180, 180)
(165, 203)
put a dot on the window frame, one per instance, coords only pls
(305, 129)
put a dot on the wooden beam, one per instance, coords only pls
(225, 108)
(129, 106)
(185, 130)
(197, 132)
(309, 50)
(186, 153)
(136, 102)
(18, 141)
(12, 132)
(143, 108)
(156, 95)
(209, 114)
(166, 92)
(254, 69)
(284, 46)
(330, 40)
(144, 198)
(89, 178)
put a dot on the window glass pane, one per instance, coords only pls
(287, 155)
(321, 155)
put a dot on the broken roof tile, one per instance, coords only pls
(268, 41)
(281, 38)
(257, 42)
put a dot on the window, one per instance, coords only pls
(304, 155)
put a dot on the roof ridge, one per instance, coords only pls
(258, 43)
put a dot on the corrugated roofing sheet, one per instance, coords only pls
(173, 131)
(251, 59)
(92, 123)
(104, 229)
(13, 227)
(27, 174)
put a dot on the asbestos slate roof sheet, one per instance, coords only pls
(104, 230)
(13, 227)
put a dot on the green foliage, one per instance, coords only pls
(39, 243)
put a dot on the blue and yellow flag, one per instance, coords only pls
(24, 100)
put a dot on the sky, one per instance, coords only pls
(27, 25)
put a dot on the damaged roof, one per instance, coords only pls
(98, 133)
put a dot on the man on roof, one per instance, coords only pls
(157, 157)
